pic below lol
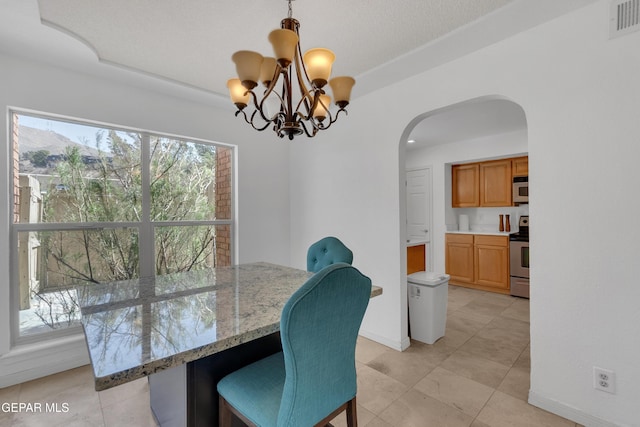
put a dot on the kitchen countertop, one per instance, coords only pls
(138, 327)
(416, 243)
(488, 233)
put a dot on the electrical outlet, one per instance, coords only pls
(604, 380)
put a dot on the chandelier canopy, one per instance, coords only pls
(290, 114)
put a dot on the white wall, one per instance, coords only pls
(263, 176)
(581, 97)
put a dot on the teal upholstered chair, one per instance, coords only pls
(313, 379)
(327, 251)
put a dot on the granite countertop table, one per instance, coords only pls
(138, 327)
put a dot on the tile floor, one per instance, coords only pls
(477, 376)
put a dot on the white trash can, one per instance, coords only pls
(428, 293)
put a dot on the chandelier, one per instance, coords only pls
(294, 101)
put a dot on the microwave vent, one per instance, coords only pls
(624, 17)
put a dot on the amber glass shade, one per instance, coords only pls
(268, 70)
(320, 112)
(318, 64)
(284, 45)
(341, 88)
(239, 94)
(248, 65)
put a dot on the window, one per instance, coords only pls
(95, 203)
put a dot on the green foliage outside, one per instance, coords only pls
(109, 189)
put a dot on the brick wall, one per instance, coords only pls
(223, 205)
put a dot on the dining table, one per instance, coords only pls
(185, 331)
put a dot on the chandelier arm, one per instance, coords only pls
(306, 131)
(301, 74)
(253, 125)
(268, 91)
(341, 110)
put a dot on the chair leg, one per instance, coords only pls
(352, 415)
(224, 413)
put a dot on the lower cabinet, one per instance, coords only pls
(416, 259)
(478, 261)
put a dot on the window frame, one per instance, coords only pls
(146, 227)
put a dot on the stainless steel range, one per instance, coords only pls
(519, 259)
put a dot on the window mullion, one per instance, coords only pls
(147, 232)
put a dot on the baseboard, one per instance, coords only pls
(32, 361)
(396, 345)
(568, 412)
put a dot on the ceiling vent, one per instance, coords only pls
(625, 17)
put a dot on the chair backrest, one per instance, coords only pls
(327, 251)
(319, 327)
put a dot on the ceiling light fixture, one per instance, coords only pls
(291, 114)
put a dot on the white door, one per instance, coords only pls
(419, 208)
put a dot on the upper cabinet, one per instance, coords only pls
(465, 182)
(486, 184)
(520, 166)
(495, 183)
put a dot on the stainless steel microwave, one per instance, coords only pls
(521, 189)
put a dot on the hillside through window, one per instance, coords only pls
(95, 204)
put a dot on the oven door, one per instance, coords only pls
(519, 259)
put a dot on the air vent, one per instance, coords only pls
(625, 17)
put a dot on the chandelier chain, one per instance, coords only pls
(290, 15)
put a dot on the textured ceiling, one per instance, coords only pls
(186, 45)
(192, 41)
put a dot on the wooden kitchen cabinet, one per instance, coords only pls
(459, 257)
(520, 166)
(496, 183)
(465, 185)
(416, 259)
(491, 261)
(478, 261)
(484, 184)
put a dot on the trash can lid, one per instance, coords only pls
(427, 278)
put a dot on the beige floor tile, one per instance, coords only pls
(364, 417)
(367, 350)
(516, 383)
(8, 395)
(408, 367)
(459, 297)
(454, 338)
(433, 353)
(524, 360)
(72, 410)
(505, 352)
(376, 390)
(415, 409)
(483, 307)
(467, 322)
(135, 389)
(376, 422)
(135, 411)
(518, 310)
(503, 410)
(459, 392)
(477, 368)
(477, 423)
(504, 300)
(519, 327)
(43, 388)
(510, 337)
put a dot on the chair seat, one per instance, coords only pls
(257, 389)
